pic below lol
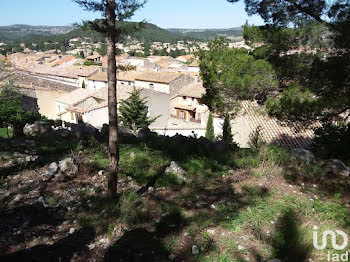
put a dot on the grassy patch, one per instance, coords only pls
(3, 133)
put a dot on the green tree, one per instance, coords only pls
(133, 112)
(226, 130)
(83, 84)
(231, 75)
(147, 49)
(113, 10)
(12, 112)
(323, 75)
(209, 132)
(82, 54)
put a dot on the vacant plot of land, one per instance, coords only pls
(244, 205)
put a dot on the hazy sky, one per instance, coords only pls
(164, 13)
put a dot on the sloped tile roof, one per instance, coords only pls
(274, 132)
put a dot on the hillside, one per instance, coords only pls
(148, 33)
(25, 33)
(208, 34)
(17, 32)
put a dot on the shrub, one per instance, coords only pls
(255, 139)
(332, 141)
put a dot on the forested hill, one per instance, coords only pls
(24, 33)
(208, 34)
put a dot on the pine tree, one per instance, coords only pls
(133, 112)
(112, 10)
(83, 84)
(226, 130)
(209, 133)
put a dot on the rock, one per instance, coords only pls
(84, 131)
(211, 232)
(52, 169)
(172, 256)
(231, 172)
(195, 250)
(68, 167)
(143, 132)
(31, 158)
(62, 132)
(72, 230)
(303, 155)
(17, 198)
(91, 246)
(177, 170)
(220, 146)
(240, 247)
(41, 201)
(206, 144)
(104, 133)
(132, 154)
(28, 129)
(337, 167)
(101, 172)
(212, 206)
(41, 127)
(150, 189)
(275, 260)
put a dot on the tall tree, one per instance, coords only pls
(316, 81)
(112, 10)
(209, 132)
(230, 75)
(226, 130)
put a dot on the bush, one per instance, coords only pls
(255, 139)
(332, 142)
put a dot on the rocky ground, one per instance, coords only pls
(233, 209)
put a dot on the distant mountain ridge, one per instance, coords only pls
(149, 33)
(209, 34)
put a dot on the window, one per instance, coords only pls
(151, 86)
(182, 114)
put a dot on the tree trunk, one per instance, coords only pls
(18, 129)
(112, 100)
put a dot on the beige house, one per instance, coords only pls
(162, 82)
(94, 58)
(194, 67)
(67, 100)
(99, 81)
(187, 105)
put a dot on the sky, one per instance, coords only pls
(164, 13)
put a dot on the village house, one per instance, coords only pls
(67, 100)
(194, 67)
(187, 105)
(99, 81)
(185, 58)
(140, 63)
(162, 82)
(94, 58)
(120, 59)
